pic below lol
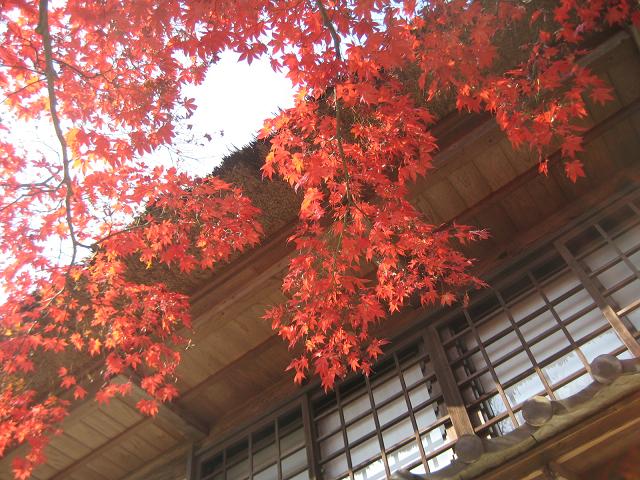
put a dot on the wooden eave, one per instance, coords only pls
(235, 370)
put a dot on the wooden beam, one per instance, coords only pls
(170, 417)
(98, 452)
(560, 472)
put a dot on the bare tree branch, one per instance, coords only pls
(51, 76)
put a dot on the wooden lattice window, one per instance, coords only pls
(395, 419)
(536, 330)
(276, 450)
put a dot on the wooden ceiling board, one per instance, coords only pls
(233, 342)
(211, 352)
(144, 449)
(495, 167)
(258, 368)
(521, 159)
(470, 184)
(193, 367)
(42, 472)
(120, 412)
(598, 162)
(217, 301)
(247, 409)
(207, 357)
(623, 74)
(427, 210)
(598, 112)
(70, 446)
(518, 205)
(245, 359)
(547, 195)
(56, 459)
(85, 473)
(496, 220)
(86, 435)
(623, 143)
(156, 436)
(218, 319)
(104, 424)
(122, 456)
(454, 203)
(106, 468)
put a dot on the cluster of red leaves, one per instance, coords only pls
(119, 327)
(109, 76)
(363, 249)
(357, 135)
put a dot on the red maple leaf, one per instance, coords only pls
(574, 170)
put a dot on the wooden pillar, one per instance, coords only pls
(452, 397)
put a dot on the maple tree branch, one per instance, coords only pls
(338, 107)
(50, 74)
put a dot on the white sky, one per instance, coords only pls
(234, 99)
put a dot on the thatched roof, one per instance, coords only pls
(275, 198)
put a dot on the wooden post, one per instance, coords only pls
(452, 397)
(190, 471)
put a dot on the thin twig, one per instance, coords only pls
(88, 76)
(21, 89)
